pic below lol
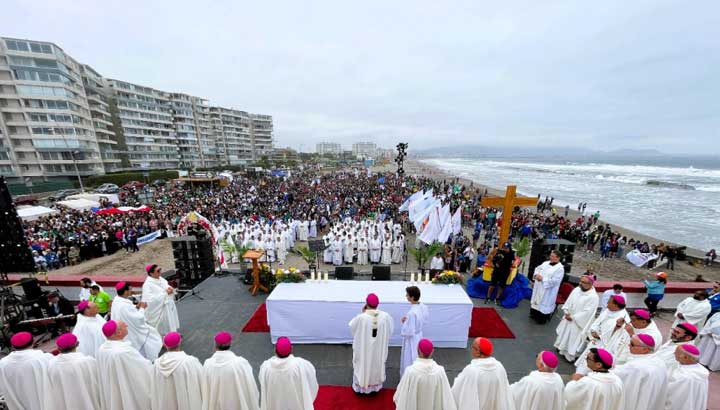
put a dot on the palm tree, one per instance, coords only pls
(423, 254)
(308, 255)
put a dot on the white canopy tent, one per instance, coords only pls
(113, 198)
(79, 204)
(31, 213)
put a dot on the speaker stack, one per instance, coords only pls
(380, 272)
(15, 254)
(194, 260)
(540, 253)
(344, 272)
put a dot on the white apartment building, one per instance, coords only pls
(332, 148)
(96, 91)
(232, 129)
(364, 150)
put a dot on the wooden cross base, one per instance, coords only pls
(254, 255)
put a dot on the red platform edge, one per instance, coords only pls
(74, 280)
(639, 287)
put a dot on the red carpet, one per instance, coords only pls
(258, 321)
(344, 398)
(487, 323)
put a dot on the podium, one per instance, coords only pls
(254, 256)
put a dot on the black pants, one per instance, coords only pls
(671, 263)
(652, 305)
(540, 317)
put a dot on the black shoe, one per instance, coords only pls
(487, 301)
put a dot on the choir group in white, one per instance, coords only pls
(363, 242)
(275, 239)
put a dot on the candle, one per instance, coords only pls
(312, 275)
(327, 277)
(427, 277)
(412, 277)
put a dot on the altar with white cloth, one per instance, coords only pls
(319, 312)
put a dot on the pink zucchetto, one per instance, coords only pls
(21, 339)
(691, 350)
(426, 347)
(66, 341)
(647, 340)
(642, 314)
(172, 339)
(372, 300)
(689, 328)
(283, 346)
(109, 328)
(148, 267)
(119, 286)
(549, 359)
(605, 357)
(223, 339)
(82, 306)
(619, 299)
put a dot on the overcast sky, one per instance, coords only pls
(603, 74)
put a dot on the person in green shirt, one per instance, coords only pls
(101, 299)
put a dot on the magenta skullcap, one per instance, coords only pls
(172, 339)
(426, 347)
(691, 350)
(223, 339)
(148, 267)
(605, 357)
(119, 286)
(647, 340)
(372, 300)
(109, 328)
(642, 314)
(689, 328)
(283, 346)
(66, 341)
(619, 299)
(549, 359)
(82, 306)
(21, 339)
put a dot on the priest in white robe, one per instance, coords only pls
(161, 312)
(287, 381)
(177, 378)
(688, 383)
(484, 381)
(85, 285)
(88, 328)
(640, 322)
(371, 332)
(680, 334)
(694, 309)
(375, 249)
(228, 381)
(547, 279)
(644, 376)
(607, 331)
(600, 389)
(578, 311)
(424, 385)
(348, 250)
(125, 374)
(412, 327)
(362, 258)
(74, 380)
(337, 251)
(141, 335)
(386, 257)
(709, 343)
(23, 374)
(542, 389)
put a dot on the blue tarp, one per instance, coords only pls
(518, 290)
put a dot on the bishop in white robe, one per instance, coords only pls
(680, 334)
(424, 385)
(607, 331)
(177, 378)
(547, 279)
(644, 376)
(687, 383)
(161, 312)
(412, 327)
(287, 381)
(483, 381)
(600, 389)
(693, 310)
(125, 373)
(88, 328)
(23, 374)
(578, 311)
(371, 332)
(709, 343)
(228, 381)
(74, 380)
(640, 322)
(141, 335)
(542, 389)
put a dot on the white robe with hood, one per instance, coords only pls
(644, 382)
(370, 353)
(88, 330)
(484, 381)
(74, 383)
(287, 383)
(688, 388)
(581, 306)
(24, 379)
(125, 376)
(539, 391)
(177, 382)
(709, 343)
(694, 311)
(161, 312)
(141, 335)
(228, 383)
(596, 391)
(424, 386)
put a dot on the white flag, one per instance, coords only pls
(457, 221)
(446, 225)
(412, 198)
(420, 218)
(431, 231)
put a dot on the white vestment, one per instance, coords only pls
(386, 258)
(607, 295)
(644, 382)
(709, 343)
(161, 312)
(397, 252)
(370, 353)
(337, 253)
(596, 391)
(424, 386)
(24, 379)
(287, 383)
(141, 335)
(88, 330)
(437, 263)
(483, 385)
(622, 355)
(85, 292)
(177, 382)
(666, 353)
(375, 248)
(611, 336)
(228, 383)
(362, 252)
(74, 382)
(688, 388)
(125, 376)
(545, 292)
(539, 391)
(412, 332)
(693, 311)
(581, 306)
(349, 252)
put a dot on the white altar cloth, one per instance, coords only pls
(319, 312)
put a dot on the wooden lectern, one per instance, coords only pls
(254, 255)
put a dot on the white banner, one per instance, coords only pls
(639, 259)
(148, 238)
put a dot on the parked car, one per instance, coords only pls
(26, 200)
(159, 182)
(133, 185)
(62, 194)
(107, 189)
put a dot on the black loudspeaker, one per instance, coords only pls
(380, 272)
(573, 280)
(316, 245)
(31, 288)
(15, 254)
(541, 252)
(344, 272)
(194, 260)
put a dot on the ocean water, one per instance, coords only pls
(675, 203)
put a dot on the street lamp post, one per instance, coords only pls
(77, 171)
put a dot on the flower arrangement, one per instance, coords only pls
(448, 277)
(290, 275)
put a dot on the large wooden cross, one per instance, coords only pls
(507, 203)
